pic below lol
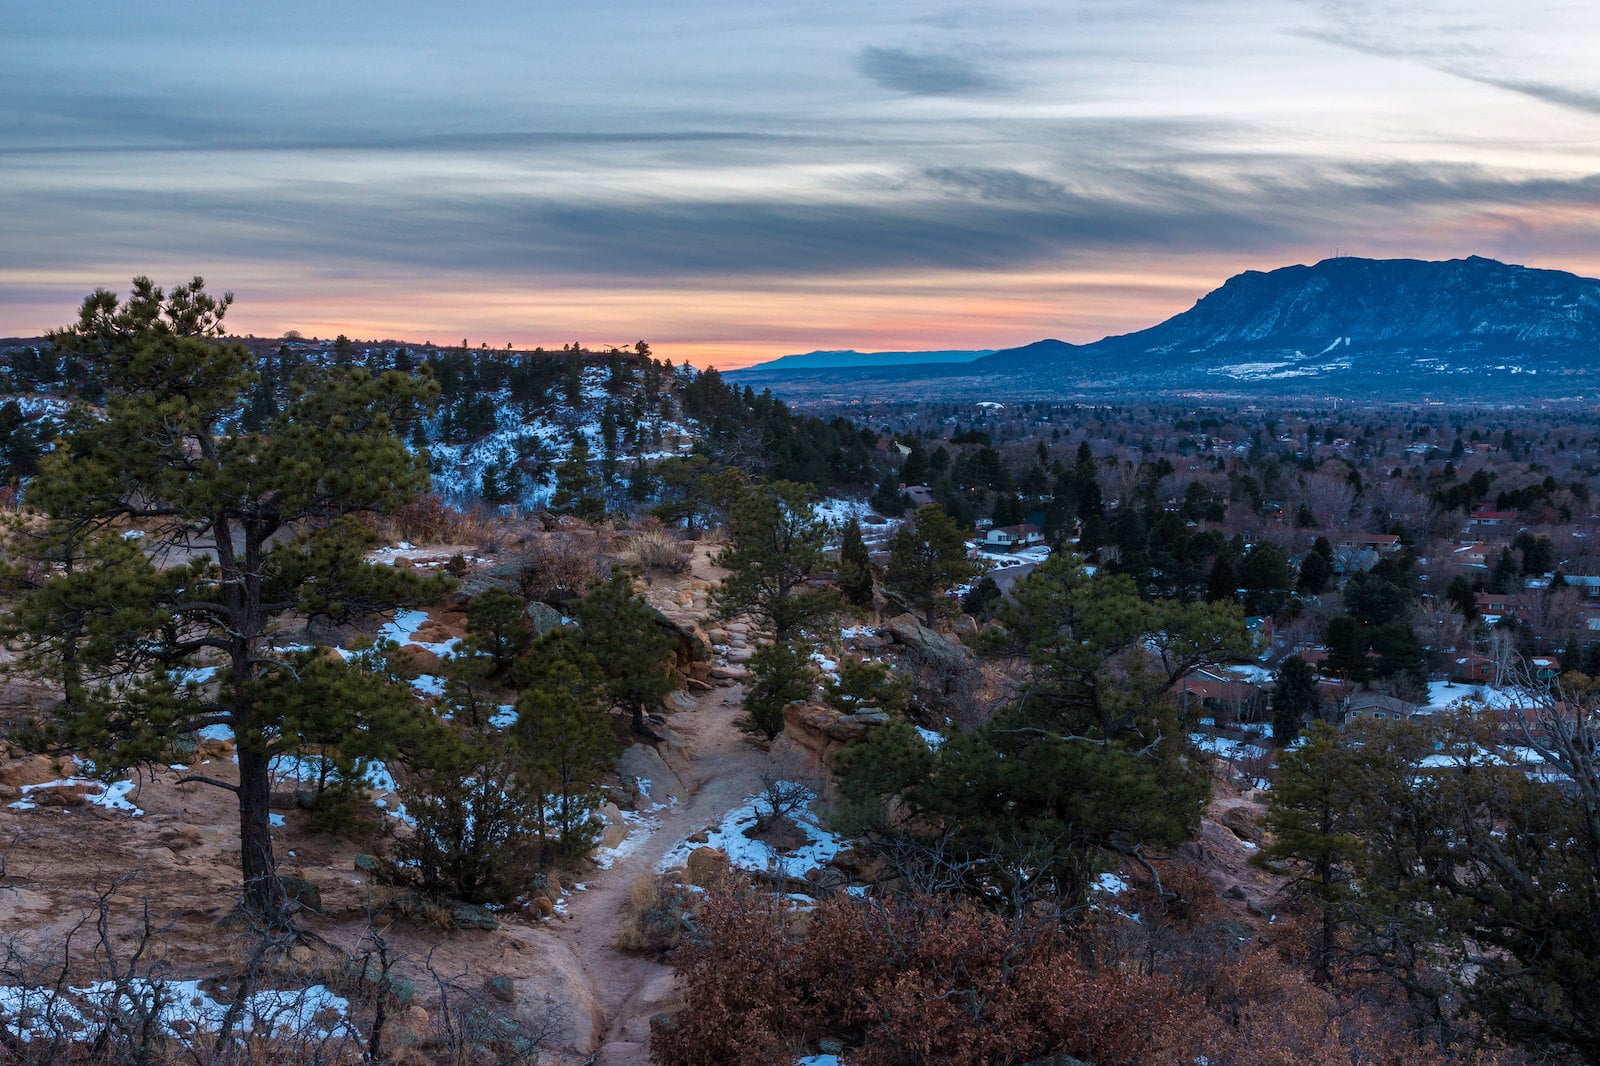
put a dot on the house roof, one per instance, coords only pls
(1019, 531)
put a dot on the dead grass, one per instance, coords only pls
(653, 916)
(654, 548)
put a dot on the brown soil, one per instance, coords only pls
(723, 769)
(182, 856)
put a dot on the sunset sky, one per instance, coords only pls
(733, 181)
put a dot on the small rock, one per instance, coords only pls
(502, 987)
(870, 716)
(706, 866)
(472, 916)
(301, 891)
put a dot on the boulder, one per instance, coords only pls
(502, 987)
(422, 660)
(693, 646)
(932, 648)
(442, 626)
(301, 891)
(1240, 822)
(643, 762)
(30, 770)
(542, 617)
(706, 866)
(64, 796)
(401, 990)
(616, 830)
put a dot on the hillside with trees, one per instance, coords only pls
(397, 703)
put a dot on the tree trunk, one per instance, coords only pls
(263, 894)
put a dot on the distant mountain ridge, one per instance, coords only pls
(849, 357)
(1466, 329)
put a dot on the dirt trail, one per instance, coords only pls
(723, 770)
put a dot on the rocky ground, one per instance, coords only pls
(562, 973)
(63, 847)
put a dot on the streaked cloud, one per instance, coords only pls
(763, 180)
(922, 73)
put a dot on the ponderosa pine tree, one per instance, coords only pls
(1294, 696)
(775, 543)
(855, 567)
(561, 724)
(577, 485)
(1316, 832)
(627, 639)
(926, 557)
(190, 546)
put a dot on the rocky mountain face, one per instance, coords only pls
(1467, 330)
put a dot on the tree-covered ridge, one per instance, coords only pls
(506, 419)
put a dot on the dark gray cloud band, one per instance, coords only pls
(938, 218)
(923, 73)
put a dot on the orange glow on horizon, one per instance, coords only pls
(722, 323)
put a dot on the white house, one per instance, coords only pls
(1023, 536)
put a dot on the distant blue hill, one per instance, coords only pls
(1471, 330)
(851, 358)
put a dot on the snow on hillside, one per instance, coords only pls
(540, 439)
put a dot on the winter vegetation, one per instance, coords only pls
(379, 702)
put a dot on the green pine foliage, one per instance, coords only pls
(856, 575)
(1294, 699)
(1090, 757)
(859, 685)
(563, 727)
(478, 808)
(633, 648)
(1315, 832)
(498, 628)
(239, 530)
(577, 485)
(780, 674)
(775, 544)
(927, 557)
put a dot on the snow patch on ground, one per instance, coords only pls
(1225, 748)
(180, 1008)
(113, 797)
(746, 853)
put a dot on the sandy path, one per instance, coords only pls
(723, 770)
